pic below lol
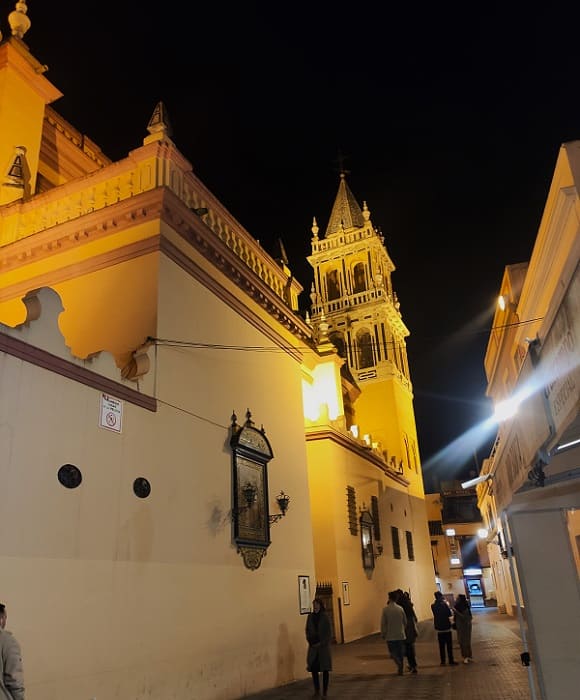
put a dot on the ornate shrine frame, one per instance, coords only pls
(251, 453)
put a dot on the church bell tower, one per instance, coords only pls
(353, 293)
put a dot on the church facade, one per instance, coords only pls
(186, 460)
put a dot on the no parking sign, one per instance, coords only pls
(111, 415)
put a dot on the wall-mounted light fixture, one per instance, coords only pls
(504, 302)
(283, 500)
(470, 483)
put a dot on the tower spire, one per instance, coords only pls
(346, 212)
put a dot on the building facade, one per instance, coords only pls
(177, 448)
(529, 490)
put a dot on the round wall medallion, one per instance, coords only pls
(141, 487)
(70, 476)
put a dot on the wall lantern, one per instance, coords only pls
(250, 515)
(283, 501)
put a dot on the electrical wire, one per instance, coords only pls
(166, 342)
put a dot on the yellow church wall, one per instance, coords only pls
(112, 309)
(338, 553)
(385, 411)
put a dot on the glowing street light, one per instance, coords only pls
(507, 409)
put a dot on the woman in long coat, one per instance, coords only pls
(410, 630)
(462, 618)
(318, 636)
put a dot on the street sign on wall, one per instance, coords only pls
(111, 413)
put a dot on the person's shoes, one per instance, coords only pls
(442, 663)
(453, 663)
(413, 670)
(466, 660)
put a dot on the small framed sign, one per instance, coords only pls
(345, 593)
(304, 594)
(111, 413)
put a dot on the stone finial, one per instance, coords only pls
(18, 20)
(323, 328)
(314, 228)
(365, 212)
(313, 294)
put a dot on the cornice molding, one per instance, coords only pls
(328, 433)
(75, 233)
(160, 205)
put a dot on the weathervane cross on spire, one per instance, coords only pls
(340, 161)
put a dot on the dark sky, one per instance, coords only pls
(449, 118)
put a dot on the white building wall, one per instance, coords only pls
(112, 596)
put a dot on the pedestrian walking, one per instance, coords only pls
(12, 676)
(318, 656)
(393, 622)
(411, 632)
(442, 621)
(463, 621)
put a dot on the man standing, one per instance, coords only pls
(442, 621)
(11, 675)
(393, 622)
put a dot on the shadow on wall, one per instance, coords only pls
(285, 657)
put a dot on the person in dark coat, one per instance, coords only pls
(410, 630)
(442, 622)
(463, 617)
(318, 636)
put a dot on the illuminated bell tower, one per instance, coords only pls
(352, 292)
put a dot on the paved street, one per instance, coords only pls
(362, 668)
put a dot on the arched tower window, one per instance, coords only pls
(333, 285)
(365, 349)
(359, 278)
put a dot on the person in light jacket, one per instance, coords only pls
(393, 623)
(318, 656)
(11, 674)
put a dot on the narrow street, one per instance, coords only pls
(363, 670)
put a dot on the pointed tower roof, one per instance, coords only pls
(346, 212)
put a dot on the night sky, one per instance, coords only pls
(449, 120)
